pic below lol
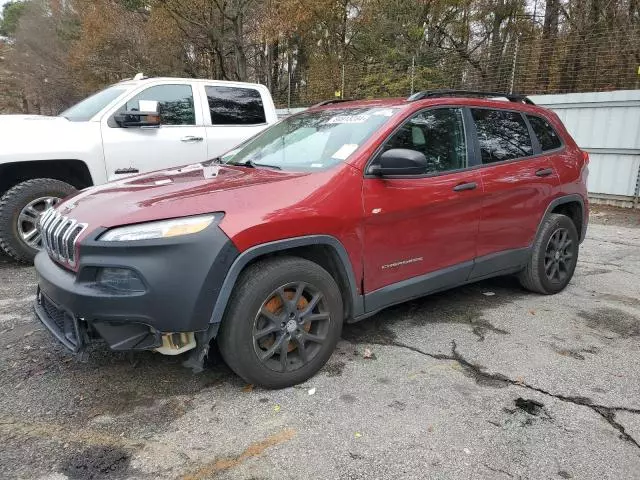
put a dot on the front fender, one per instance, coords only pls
(282, 245)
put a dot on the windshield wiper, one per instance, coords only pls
(252, 164)
(212, 161)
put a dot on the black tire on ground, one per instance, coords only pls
(254, 289)
(12, 203)
(534, 277)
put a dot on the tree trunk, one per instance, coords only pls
(547, 44)
(238, 47)
(495, 48)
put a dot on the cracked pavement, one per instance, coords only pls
(462, 385)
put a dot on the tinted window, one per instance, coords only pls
(175, 103)
(502, 135)
(235, 106)
(438, 134)
(547, 136)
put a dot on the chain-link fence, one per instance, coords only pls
(530, 64)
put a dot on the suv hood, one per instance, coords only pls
(36, 137)
(172, 193)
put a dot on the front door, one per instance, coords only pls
(422, 230)
(180, 139)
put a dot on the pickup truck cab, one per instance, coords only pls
(134, 126)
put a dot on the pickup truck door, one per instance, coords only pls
(234, 113)
(179, 140)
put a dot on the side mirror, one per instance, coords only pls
(147, 115)
(399, 161)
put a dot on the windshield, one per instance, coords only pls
(311, 141)
(87, 108)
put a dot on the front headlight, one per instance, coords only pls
(161, 229)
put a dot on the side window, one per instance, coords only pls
(175, 103)
(545, 133)
(438, 134)
(235, 106)
(503, 135)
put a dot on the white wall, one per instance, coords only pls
(607, 125)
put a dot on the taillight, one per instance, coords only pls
(585, 157)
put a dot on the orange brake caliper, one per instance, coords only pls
(274, 305)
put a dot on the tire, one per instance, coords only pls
(546, 252)
(12, 204)
(255, 292)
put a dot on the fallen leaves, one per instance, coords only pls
(368, 354)
(255, 449)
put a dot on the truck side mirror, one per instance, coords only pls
(147, 115)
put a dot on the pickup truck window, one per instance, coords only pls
(311, 141)
(235, 106)
(175, 103)
(87, 108)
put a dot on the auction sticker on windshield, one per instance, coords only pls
(348, 119)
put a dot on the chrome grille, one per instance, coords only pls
(59, 236)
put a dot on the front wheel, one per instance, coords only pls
(283, 322)
(20, 209)
(554, 256)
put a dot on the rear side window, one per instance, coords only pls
(502, 135)
(547, 136)
(235, 106)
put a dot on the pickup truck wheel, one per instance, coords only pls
(554, 256)
(282, 323)
(20, 209)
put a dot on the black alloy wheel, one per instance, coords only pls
(290, 327)
(558, 256)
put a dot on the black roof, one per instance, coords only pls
(512, 97)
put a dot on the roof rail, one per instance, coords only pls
(329, 102)
(512, 97)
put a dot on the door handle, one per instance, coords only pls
(544, 172)
(191, 139)
(124, 171)
(465, 186)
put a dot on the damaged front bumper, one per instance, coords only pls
(168, 309)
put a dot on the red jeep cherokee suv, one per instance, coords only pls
(328, 216)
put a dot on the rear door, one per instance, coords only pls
(518, 182)
(233, 114)
(179, 140)
(416, 225)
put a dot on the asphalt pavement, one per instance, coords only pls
(484, 381)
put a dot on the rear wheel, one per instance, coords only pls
(20, 209)
(283, 322)
(554, 256)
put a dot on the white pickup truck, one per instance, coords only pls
(134, 126)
